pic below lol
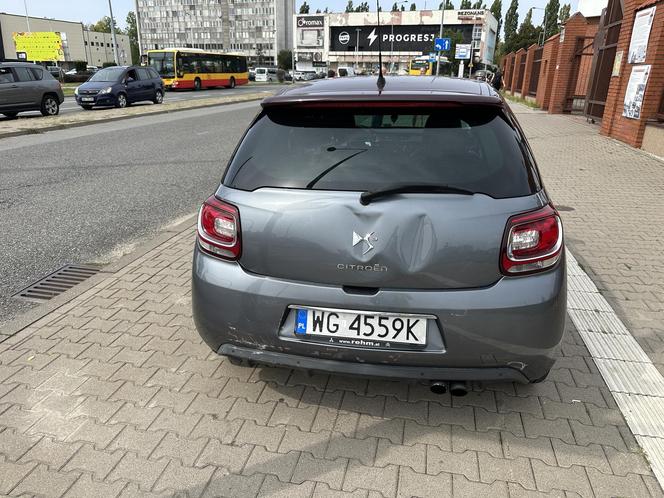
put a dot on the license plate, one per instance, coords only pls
(88, 99)
(361, 328)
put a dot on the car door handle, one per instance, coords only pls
(14, 86)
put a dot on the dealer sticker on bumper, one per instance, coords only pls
(361, 328)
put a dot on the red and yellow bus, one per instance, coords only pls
(196, 69)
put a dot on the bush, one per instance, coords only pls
(108, 64)
(80, 66)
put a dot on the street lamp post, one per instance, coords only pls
(442, 19)
(115, 42)
(27, 18)
(543, 26)
(357, 46)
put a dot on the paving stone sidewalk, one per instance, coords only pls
(115, 394)
(616, 225)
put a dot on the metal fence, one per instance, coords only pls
(535, 73)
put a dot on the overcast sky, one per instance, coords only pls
(89, 11)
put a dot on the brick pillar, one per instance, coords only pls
(574, 27)
(528, 70)
(547, 71)
(613, 123)
(519, 56)
(507, 70)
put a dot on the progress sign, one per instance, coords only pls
(39, 45)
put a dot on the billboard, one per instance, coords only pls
(39, 45)
(397, 38)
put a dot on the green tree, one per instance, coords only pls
(102, 26)
(317, 11)
(446, 5)
(403, 8)
(132, 32)
(479, 5)
(526, 36)
(349, 6)
(285, 59)
(363, 7)
(304, 8)
(511, 23)
(551, 17)
(395, 7)
(465, 4)
(497, 11)
(413, 6)
(564, 13)
(325, 11)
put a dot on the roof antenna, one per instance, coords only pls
(381, 79)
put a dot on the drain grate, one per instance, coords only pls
(57, 282)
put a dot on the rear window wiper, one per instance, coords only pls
(415, 188)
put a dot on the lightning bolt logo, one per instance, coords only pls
(372, 37)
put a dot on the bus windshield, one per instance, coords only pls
(163, 62)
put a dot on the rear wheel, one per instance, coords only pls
(121, 101)
(10, 115)
(158, 97)
(50, 106)
(86, 107)
(197, 84)
(232, 83)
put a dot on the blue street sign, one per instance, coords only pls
(441, 44)
(432, 57)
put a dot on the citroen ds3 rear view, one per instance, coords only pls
(402, 234)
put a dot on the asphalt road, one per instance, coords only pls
(70, 106)
(91, 194)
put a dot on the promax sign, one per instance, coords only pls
(415, 38)
(310, 22)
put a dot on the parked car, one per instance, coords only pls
(56, 71)
(346, 71)
(252, 74)
(401, 234)
(28, 87)
(120, 86)
(268, 74)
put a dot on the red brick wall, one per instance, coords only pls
(547, 70)
(613, 123)
(530, 57)
(508, 73)
(518, 57)
(562, 88)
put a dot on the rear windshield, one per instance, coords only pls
(357, 150)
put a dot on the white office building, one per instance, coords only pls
(351, 39)
(255, 28)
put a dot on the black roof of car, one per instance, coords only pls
(401, 88)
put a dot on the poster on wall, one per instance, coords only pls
(39, 45)
(638, 46)
(617, 61)
(635, 90)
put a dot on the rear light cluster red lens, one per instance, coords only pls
(219, 229)
(533, 242)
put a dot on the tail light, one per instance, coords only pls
(533, 242)
(219, 229)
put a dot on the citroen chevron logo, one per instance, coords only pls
(372, 37)
(367, 239)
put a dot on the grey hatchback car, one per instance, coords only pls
(28, 87)
(402, 233)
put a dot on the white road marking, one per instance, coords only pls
(635, 383)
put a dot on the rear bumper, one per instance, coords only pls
(509, 331)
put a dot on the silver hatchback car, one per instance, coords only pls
(402, 233)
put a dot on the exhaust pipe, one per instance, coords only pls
(438, 387)
(458, 388)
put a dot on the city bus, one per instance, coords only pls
(196, 69)
(420, 66)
